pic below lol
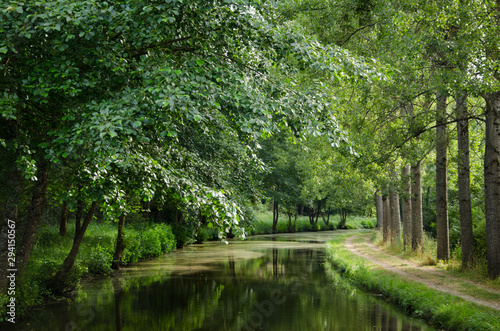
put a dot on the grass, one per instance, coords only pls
(263, 223)
(443, 310)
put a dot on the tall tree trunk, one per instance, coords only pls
(386, 233)
(395, 213)
(406, 207)
(63, 221)
(34, 213)
(464, 195)
(380, 210)
(275, 215)
(120, 245)
(492, 183)
(79, 215)
(442, 227)
(60, 281)
(417, 233)
(318, 212)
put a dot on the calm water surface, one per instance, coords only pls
(265, 283)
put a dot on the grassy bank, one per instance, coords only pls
(443, 310)
(478, 272)
(263, 223)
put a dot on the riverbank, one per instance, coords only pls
(422, 292)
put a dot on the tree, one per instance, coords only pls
(406, 206)
(466, 231)
(443, 241)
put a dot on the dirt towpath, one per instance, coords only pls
(429, 276)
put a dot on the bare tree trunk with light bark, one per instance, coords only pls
(442, 225)
(395, 212)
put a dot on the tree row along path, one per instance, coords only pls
(437, 280)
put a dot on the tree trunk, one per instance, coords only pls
(464, 194)
(35, 212)
(406, 207)
(318, 212)
(395, 213)
(442, 226)
(417, 233)
(386, 233)
(275, 215)
(380, 210)
(343, 219)
(79, 215)
(492, 183)
(60, 281)
(311, 216)
(120, 245)
(63, 222)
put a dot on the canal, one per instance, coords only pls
(278, 283)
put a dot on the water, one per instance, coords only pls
(264, 283)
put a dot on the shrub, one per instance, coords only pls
(132, 251)
(202, 235)
(183, 233)
(314, 227)
(150, 243)
(167, 238)
(156, 240)
(99, 261)
(367, 224)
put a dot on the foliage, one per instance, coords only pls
(99, 261)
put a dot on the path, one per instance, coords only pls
(440, 281)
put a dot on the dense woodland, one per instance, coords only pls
(191, 112)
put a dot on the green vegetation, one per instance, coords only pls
(444, 310)
(190, 113)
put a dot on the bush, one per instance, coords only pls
(314, 227)
(99, 261)
(183, 233)
(156, 240)
(150, 243)
(367, 224)
(202, 235)
(132, 251)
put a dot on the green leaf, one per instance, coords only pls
(200, 62)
